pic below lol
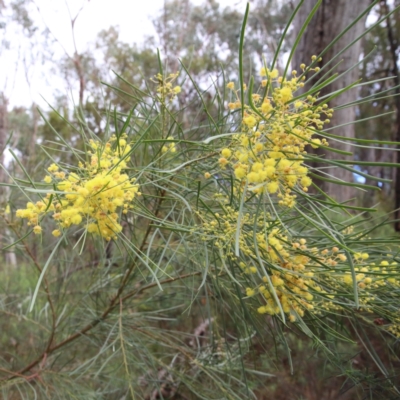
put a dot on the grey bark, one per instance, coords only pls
(332, 17)
(394, 47)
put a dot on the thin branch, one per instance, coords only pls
(88, 327)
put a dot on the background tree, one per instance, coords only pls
(393, 39)
(204, 37)
(379, 67)
(332, 18)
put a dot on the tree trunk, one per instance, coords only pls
(394, 48)
(332, 17)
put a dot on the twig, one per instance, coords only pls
(88, 327)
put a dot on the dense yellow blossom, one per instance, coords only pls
(287, 274)
(269, 152)
(93, 196)
(292, 280)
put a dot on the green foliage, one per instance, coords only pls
(222, 277)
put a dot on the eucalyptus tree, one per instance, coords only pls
(203, 39)
(331, 20)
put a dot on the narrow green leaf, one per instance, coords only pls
(35, 293)
(343, 183)
(241, 46)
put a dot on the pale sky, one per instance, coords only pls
(25, 80)
(132, 16)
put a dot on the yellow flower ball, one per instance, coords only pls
(56, 232)
(272, 187)
(226, 153)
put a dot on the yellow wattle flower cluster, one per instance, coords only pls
(269, 153)
(371, 276)
(166, 88)
(282, 273)
(92, 197)
(276, 269)
(169, 147)
(290, 273)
